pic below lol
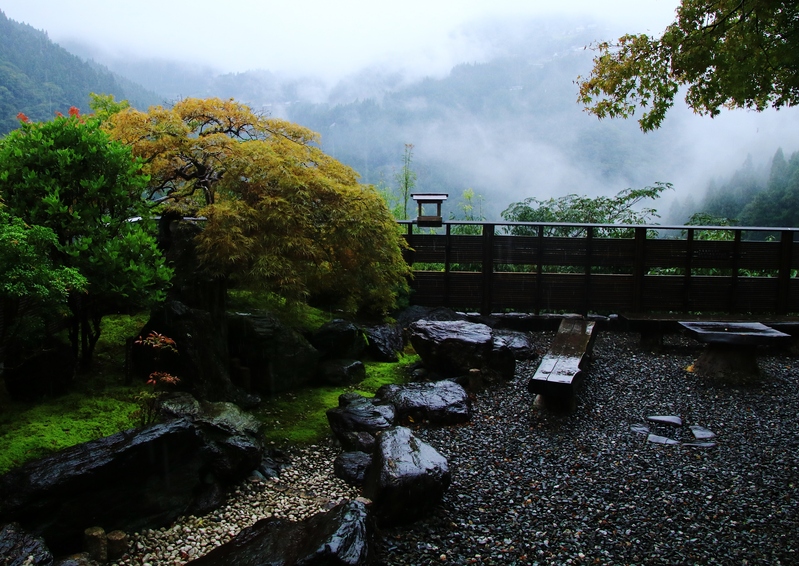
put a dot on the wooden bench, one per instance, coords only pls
(559, 373)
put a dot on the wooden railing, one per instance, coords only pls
(579, 268)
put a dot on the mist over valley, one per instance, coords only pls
(492, 108)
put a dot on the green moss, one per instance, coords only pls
(29, 432)
(299, 417)
(99, 405)
(295, 315)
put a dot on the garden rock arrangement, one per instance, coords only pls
(134, 479)
(401, 474)
(530, 486)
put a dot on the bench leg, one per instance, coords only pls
(555, 404)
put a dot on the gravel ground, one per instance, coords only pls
(530, 486)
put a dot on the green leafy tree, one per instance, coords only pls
(68, 176)
(282, 216)
(624, 208)
(729, 53)
(30, 282)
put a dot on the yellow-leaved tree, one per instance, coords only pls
(281, 214)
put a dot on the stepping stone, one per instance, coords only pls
(665, 419)
(701, 433)
(654, 438)
(640, 428)
(700, 444)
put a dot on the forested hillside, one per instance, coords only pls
(39, 78)
(755, 195)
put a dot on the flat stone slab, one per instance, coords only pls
(734, 333)
(665, 419)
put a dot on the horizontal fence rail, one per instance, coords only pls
(598, 268)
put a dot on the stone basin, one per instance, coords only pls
(735, 333)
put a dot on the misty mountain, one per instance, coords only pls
(506, 123)
(40, 78)
(756, 194)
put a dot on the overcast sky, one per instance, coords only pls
(323, 37)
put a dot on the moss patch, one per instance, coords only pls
(34, 431)
(100, 405)
(298, 417)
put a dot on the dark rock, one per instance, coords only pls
(339, 339)
(385, 342)
(273, 462)
(502, 363)
(451, 347)
(352, 467)
(342, 536)
(46, 372)
(278, 358)
(357, 413)
(16, 546)
(519, 343)
(416, 313)
(440, 402)
(358, 442)
(407, 477)
(202, 363)
(128, 481)
(341, 372)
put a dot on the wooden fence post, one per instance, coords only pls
(488, 268)
(784, 276)
(639, 269)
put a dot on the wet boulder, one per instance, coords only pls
(275, 357)
(452, 348)
(352, 467)
(343, 536)
(356, 413)
(502, 363)
(339, 339)
(415, 313)
(358, 441)
(341, 372)
(18, 547)
(519, 343)
(129, 481)
(440, 402)
(406, 478)
(384, 342)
